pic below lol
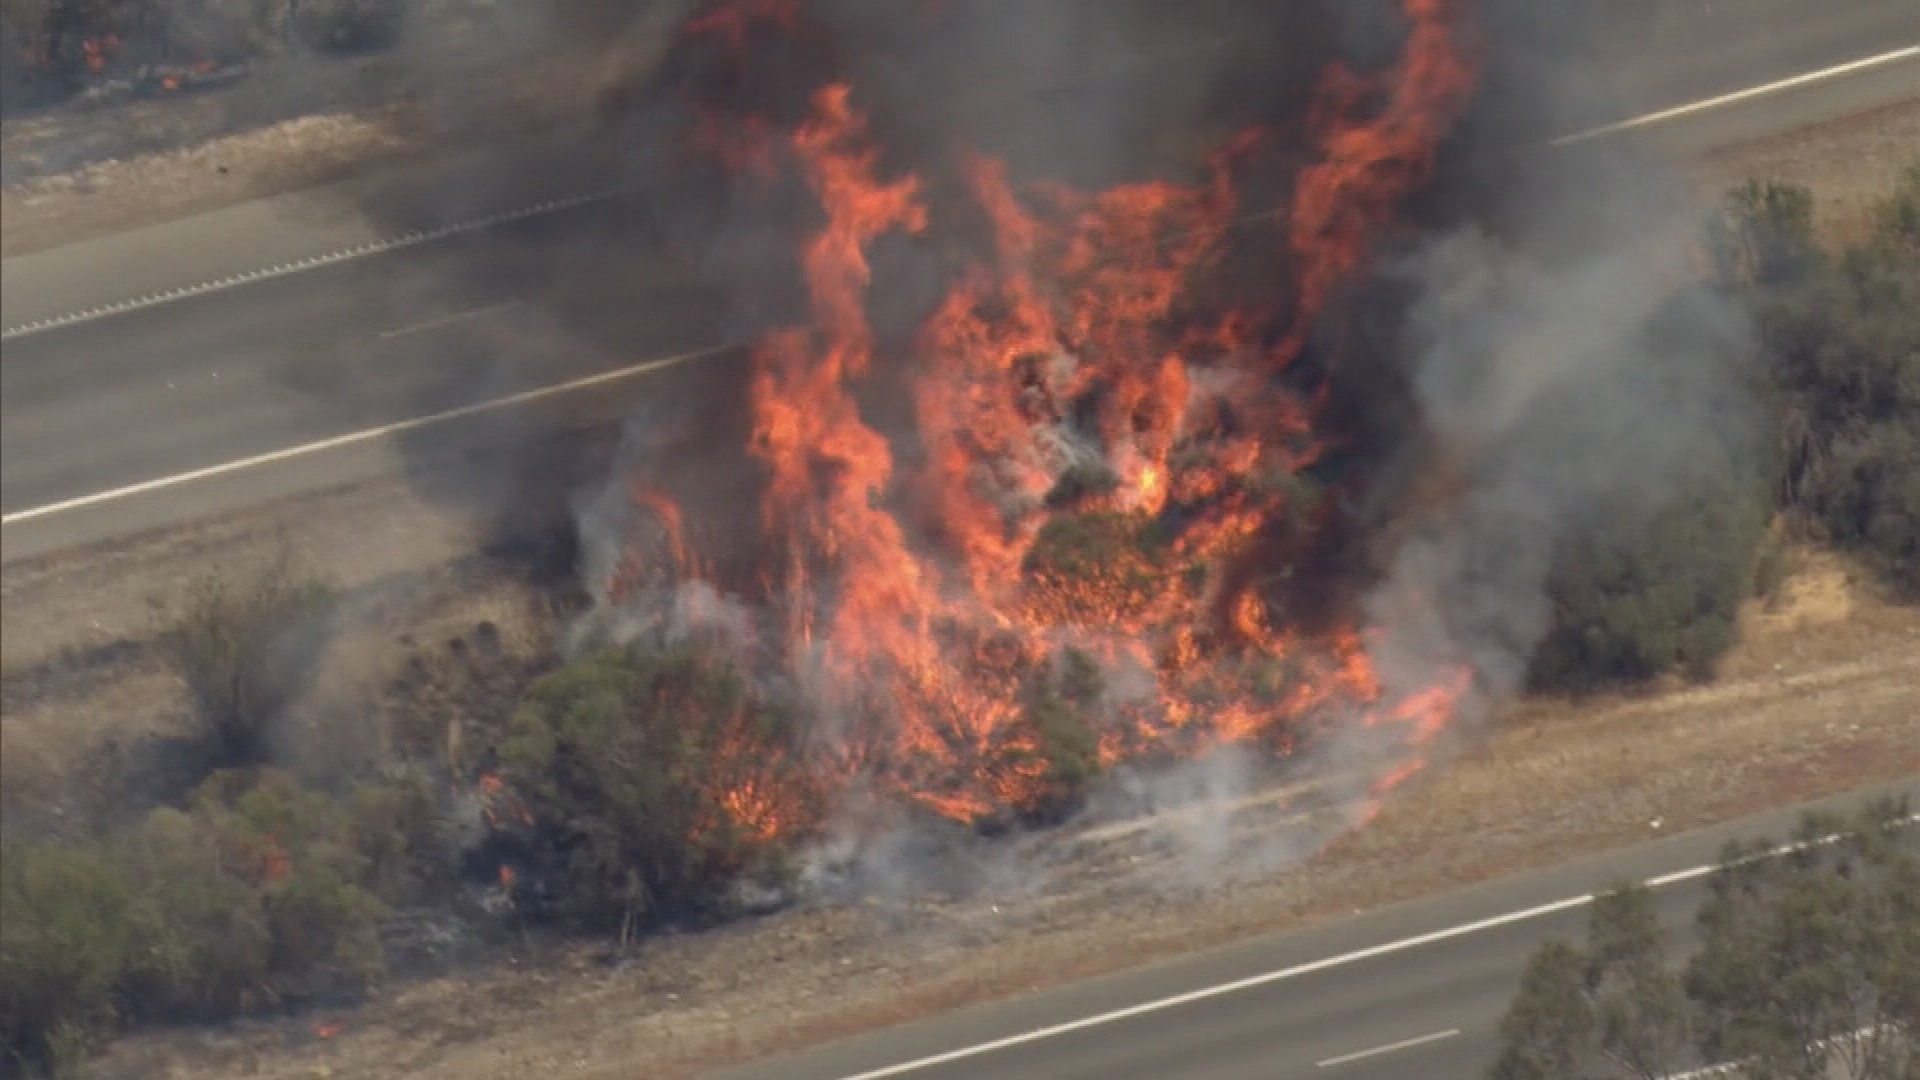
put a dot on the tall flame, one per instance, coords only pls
(1102, 460)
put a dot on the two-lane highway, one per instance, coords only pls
(182, 386)
(1413, 992)
(298, 381)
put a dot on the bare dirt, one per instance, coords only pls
(1823, 695)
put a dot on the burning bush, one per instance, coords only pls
(652, 778)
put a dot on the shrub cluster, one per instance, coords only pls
(650, 778)
(255, 894)
(638, 784)
(1839, 336)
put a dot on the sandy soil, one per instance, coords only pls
(1823, 695)
(1851, 163)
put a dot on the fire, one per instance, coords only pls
(1104, 470)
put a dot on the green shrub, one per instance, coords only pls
(1639, 597)
(1841, 337)
(297, 850)
(65, 939)
(325, 933)
(249, 899)
(395, 825)
(201, 946)
(633, 763)
(247, 650)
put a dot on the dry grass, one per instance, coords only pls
(1819, 699)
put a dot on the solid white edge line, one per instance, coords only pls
(548, 206)
(1266, 978)
(1376, 1051)
(552, 205)
(525, 397)
(1737, 96)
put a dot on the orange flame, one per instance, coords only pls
(1098, 460)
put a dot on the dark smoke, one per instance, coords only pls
(1524, 360)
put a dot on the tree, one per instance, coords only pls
(1808, 968)
(1840, 336)
(1613, 1010)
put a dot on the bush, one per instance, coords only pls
(64, 942)
(252, 898)
(247, 652)
(1841, 337)
(1065, 741)
(202, 949)
(653, 778)
(1637, 597)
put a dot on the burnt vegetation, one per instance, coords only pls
(523, 782)
(521, 788)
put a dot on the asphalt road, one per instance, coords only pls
(294, 382)
(1412, 992)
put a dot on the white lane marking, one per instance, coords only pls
(1403, 1044)
(525, 397)
(551, 206)
(448, 320)
(1145, 1008)
(406, 240)
(1662, 116)
(312, 262)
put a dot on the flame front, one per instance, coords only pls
(1102, 467)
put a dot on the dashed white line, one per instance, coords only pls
(1852, 67)
(554, 205)
(525, 397)
(448, 320)
(412, 239)
(1389, 1048)
(312, 262)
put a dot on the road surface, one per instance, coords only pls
(275, 380)
(1411, 992)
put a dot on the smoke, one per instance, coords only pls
(1518, 358)
(1568, 396)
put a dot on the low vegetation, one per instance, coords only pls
(1808, 967)
(1839, 340)
(52, 49)
(507, 784)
